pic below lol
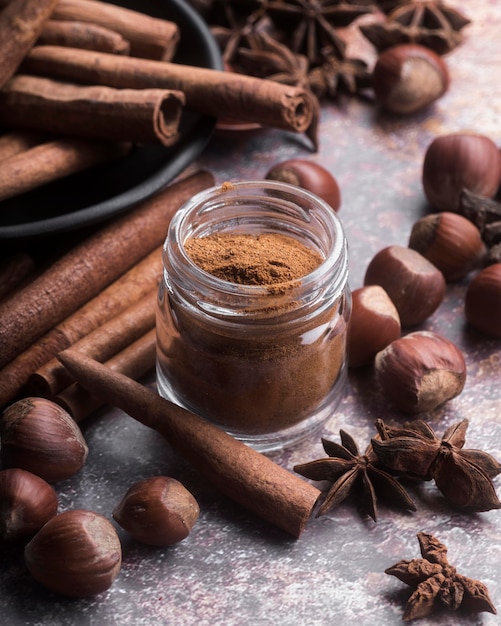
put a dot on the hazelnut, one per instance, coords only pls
(415, 286)
(450, 241)
(420, 371)
(27, 502)
(77, 554)
(408, 78)
(374, 323)
(483, 301)
(40, 436)
(158, 511)
(310, 176)
(460, 161)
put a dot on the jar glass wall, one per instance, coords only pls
(267, 364)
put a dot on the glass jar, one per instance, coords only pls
(266, 365)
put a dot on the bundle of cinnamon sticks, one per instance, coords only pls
(92, 79)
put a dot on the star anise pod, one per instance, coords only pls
(463, 476)
(437, 583)
(430, 23)
(334, 75)
(348, 470)
(311, 24)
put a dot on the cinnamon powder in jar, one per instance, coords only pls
(251, 327)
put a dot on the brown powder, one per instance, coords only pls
(246, 259)
(258, 378)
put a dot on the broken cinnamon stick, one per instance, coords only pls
(101, 344)
(207, 91)
(54, 160)
(149, 37)
(241, 473)
(83, 35)
(117, 297)
(89, 267)
(21, 22)
(134, 361)
(94, 112)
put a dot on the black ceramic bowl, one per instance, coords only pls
(99, 194)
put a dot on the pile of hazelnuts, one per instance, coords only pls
(419, 370)
(78, 552)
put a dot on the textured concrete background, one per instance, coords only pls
(234, 569)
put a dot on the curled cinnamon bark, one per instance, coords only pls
(14, 142)
(241, 473)
(112, 301)
(101, 344)
(134, 361)
(210, 92)
(53, 160)
(21, 22)
(83, 35)
(95, 112)
(14, 270)
(90, 266)
(150, 37)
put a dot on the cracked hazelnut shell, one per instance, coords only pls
(450, 241)
(415, 286)
(483, 301)
(420, 371)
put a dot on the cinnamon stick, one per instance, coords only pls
(101, 344)
(89, 267)
(207, 91)
(241, 473)
(149, 37)
(95, 112)
(17, 141)
(83, 35)
(21, 22)
(54, 160)
(14, 270)
(117, 297)
(134, 361)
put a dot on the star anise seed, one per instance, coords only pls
(348, 470)
(311, 24)
(334, 75)
(462, 476)
(437, 583)
(430, 23)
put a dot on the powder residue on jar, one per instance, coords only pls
(246, 259)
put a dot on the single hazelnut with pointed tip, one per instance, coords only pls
(416, 287)
(158, 511)
(420, 371)
(483, 301)
(374, 323)
(408, 77)
(76, 553)
(450, 241)
(460, 161)
(41, 437)
(308, 175)
(27, 502)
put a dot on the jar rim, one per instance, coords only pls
(287, 200)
